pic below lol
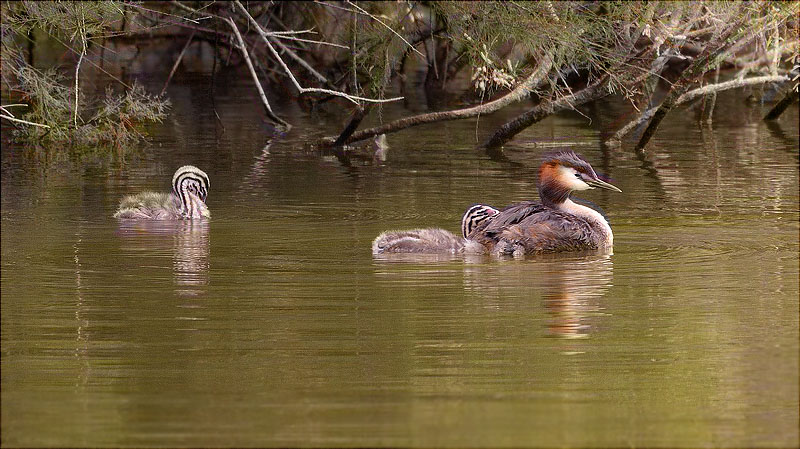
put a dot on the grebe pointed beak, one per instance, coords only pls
(601, 184)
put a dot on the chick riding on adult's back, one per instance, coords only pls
(557, 223)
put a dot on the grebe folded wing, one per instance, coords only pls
(509, 216)
(547, 231)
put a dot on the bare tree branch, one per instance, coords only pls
(177, 63)
(246, 56)
(691, 95)
(521, 91)
(23, 121)
(265, 38)
(727, 85)
(713, 50)
(548, 107)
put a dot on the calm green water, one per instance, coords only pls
(272, 324)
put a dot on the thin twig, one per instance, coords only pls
(246, 56)
(708, 106)
(272, 36)
(23, 121)
(77, 69)
(278, 33)
(165, 13)
(300, 60)
(177, 62)
(311, 41)
(302, 89)
(387, 27)
(90, 61)
(338, 7)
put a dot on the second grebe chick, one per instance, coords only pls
(186, 201)
(555, 224)
(474, 216)
(433, 240)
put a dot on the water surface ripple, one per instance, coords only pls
(272, 324)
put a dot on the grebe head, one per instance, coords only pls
(475, 215)
(190, 185)
(191, 179)
(562, 173)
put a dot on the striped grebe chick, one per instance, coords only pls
(557, 223)
(433, 240)
(186, 201)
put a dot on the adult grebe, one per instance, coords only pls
(187, 200)
(433, 240)
(555, 224)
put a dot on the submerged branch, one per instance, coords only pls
(776, 111)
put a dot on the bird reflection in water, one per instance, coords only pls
(189, 249)
(190, 257)
(571, 287)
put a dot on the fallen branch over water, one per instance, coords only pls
(506, 132)
(520, 92)
(734, 36)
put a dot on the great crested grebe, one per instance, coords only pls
(433, 240)
(187, 200)
(555, 224)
